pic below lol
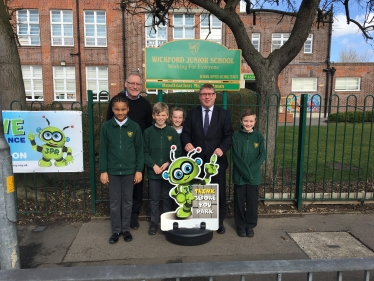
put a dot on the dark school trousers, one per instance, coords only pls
(159, 189)
(137, 199)
(245, 206)
(120, 195)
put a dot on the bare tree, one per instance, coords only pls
(11, 82)
(352, 55)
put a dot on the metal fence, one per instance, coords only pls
(352, 269)
(317, 158)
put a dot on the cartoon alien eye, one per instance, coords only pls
(178, 174)
(187, 168)
(57, 136)
(47, 135)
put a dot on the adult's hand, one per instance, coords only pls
(189, 147)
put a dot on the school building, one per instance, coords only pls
(67, 47)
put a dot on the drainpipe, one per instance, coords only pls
(328, 70)
(79, 53)
(123, 8)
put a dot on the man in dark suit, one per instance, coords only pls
(210, 127)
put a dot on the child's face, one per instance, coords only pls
(120, 110)
(160, 118)
(248, 122)
(177, 118)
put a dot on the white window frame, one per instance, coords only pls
(280, 39)
(308, 45)
(215, 28)
(28, 30)
(95, 40)
(155, 36)
(242, 7)
(34, 80)
(256, 41)
(304, 84)
(347, 84)
(67, 94)
(103, 81)
(63, 25)
(184, 26)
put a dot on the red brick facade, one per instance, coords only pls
(307, 65)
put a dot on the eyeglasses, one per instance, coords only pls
(207, 94)
(134, 84)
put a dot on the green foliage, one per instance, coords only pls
(352, 117)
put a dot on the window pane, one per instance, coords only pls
(189, 19)
(90, 30)
(178, 20)
(89, 18)
(26, 71)
(101, 30)
(56, 30)
(67, 16)
(38, 85)
(34, 16)
(56, 17)
(37, 72)
(100, 17)
(189, 33)
(68, 30)
(22, 15)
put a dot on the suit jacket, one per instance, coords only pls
(219, 133)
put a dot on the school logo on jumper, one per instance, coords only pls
(256, 144)
(194, 47)
(130, 134)
(170, 138)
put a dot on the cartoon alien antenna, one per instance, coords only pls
(189, 154)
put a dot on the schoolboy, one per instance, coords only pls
(158, 140)
(121, 163)
(248, 154)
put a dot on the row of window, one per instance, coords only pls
(97, 80)
(96, 36)
(341, 84)
(64, 84)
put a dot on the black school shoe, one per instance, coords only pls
(241, 232)
(114, 238)
(134, 224)
(249, 232)
(127, 236)
(152, 230)
(221, 229)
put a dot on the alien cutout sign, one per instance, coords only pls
(197, 199)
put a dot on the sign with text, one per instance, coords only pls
(44, 141)
(187, 64)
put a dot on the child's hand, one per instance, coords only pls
(157, 169)
(164, 166)
(104, 178)
(138, 177)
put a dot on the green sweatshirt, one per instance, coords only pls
(248, 153)
(121, 148)
(157, 143)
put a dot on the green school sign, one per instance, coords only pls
(187, 64)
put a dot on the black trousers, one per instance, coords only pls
(137, 199)
(245, 206)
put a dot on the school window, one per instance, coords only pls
(256, 41)
(64, 83)
(28, 29)
(304, 84)
(97, 81)
(347, 84)
(95, 28)
(210, 28)
(184, 26)
(308, 45)
(243, 6)
(278, 40)
(155, 35)
(33, 81)
(62, 28)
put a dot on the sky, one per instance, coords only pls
(346, 36)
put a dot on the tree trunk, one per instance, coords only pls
(11, 82)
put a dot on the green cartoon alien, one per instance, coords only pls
(182, 173)
(54, 147)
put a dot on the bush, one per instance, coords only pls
(351, 117)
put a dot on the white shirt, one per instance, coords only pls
(209, 113)
(120, 123)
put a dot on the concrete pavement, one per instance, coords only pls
(65, 244)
